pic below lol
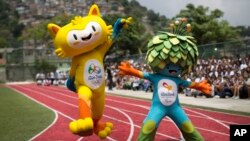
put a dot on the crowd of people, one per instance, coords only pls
(229, 77)
(127, 82)
(52, 78)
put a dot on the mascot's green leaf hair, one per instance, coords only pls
(174, 47)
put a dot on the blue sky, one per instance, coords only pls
(236, 12)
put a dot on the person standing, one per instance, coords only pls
(110, 78)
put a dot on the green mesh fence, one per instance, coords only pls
(22, 61)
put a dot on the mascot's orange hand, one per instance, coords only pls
(126, 69)
(202, 86)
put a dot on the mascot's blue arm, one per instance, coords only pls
(117, 28)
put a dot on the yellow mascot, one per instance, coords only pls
(86, 40)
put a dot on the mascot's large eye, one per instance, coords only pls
(93, 28)
(75, 37)
(79, 38)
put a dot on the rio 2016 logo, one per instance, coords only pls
(167, 92)
(94, 69)
(93, 74)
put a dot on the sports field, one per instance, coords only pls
(20, 117)
(126, 114)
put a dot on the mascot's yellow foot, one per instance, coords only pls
(82, 127)
(102, 130)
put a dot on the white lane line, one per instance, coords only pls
(138, 126)
(131, 123)
(79, 139)
(126, 115)
(146, 107)
(209, 117)
(65, 90)
(112, 95)
(168, 119)
(63, 94)
(204, 116)
(190, 115)
(54, 111)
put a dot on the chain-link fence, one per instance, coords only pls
(21, 63)
(217, 50)
(225, 49)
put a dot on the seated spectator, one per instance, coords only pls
(135, 84)
(147, 86)
(187, 91)
(127, 83)
(118, 82)
(243, 94)
(248, 87)
(195, 92)
(218, 88)
(223, 89)
(238, 84)
(39, 79)
(227, 88)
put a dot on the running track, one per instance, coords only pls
(126, 114)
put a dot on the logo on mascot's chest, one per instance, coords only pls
(93, 74)
(167, 92)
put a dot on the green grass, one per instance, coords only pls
(20, 117)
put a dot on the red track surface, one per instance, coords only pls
(126, 114)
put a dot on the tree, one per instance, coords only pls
(39, 33)
(244, 31)
(207, 25)
(136, 37)
(10, 29)
(133, 8)
(153, 17)
(44, 66)
(133, 38)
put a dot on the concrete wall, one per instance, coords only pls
(2, 74)
(20, 73)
